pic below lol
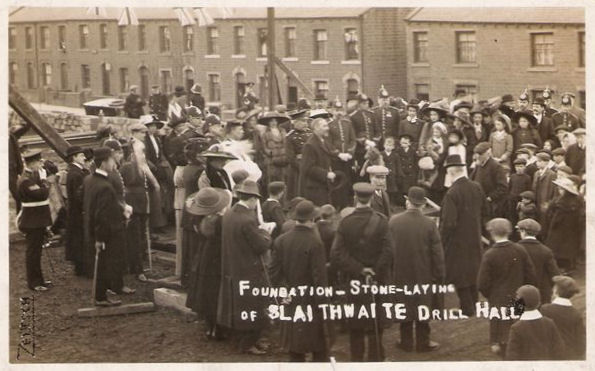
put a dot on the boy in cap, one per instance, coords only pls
(380, 200)
(533, 337)
(541, 256)
(34, 217)
(526, 206)
(518, 183)
(272, 210)
(543, 187)
(409, 169)
(504, 268)
(491, 177)
(559, 157)
(568, 319)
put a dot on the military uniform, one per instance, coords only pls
(364, 121)
(33, 219)
(294, 145)
(342, 140)
(566, 119)
(387, 122)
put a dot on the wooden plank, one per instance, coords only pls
(117, 310)
(37, 122)
(291, 74)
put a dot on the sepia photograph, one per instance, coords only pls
(282, 184)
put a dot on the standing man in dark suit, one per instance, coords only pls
(575, 154)
(133, 106)
(545, 125)
(342, 142)
(419, 257)
(294, 145)
(542, 186)
(74, 244)
(195, 97)
(34, 217)
(315, 169)
(158, 103)
(362, 251)
(15, 161)
(490, 175)
(386, 118)
(461, 219)
(105, 225)
(243, 247)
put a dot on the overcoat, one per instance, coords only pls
(462, 215)
(418, 256)
(566, 226)
(537, 339)
(492, 179)
(544, 264)
(243, 245)
(74, 221)
(315, 164)
(571, 326)
(298, 258)
(575, 158)
(544, 190)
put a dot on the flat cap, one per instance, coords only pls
(565, 286)
(565, 168)
(520, 161)
(363, 189)
(523, 151)
(579, 131)
(529, 146)
(482, 147)
(528, 194)
(529, 225)
(543, 156)
(530, 296)
(377, 170)
(559, 152)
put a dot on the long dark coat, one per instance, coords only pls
(242, 247)
(74, 211)
(492, 179)
(566, 226)
(104, 221)
(544, 264)
(352, 252)
(133, 106)
(205, 278)
(315, 165)
(571, 326)
(535, 340)
(462, 214)
(298, 258)
(505, 267)
(419, 257)
(158, 105)
(294, 146)
(575, 158)
(408, 169)
(544, 190)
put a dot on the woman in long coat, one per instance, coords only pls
(274, 151)
(208, 206)
(566, 216)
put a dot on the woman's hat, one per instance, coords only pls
(439, 107)
(153, 120)
(567, 185)
(320, 113)
(196, 89)
(462, 116)
(529, 116)
(268, 116)
(32, 155)
(457, 132)
(208, 201)
(440, 126)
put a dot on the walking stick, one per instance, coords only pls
(149, 245)
(95, 268)
(370, 281)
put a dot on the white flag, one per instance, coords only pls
(184, 16)
(97, 11)
(204, 18)
(127, 18)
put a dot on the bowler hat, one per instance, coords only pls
(529, 225)
(248, 187)
(179, 91)
(305, 210)
(507, 98)
(32, 155)
(417, 196)
(208, 201)
(524, 114)
(74, 150)
(102, 153)
(499, 226)
(530, 296)
(566, 287)
(454, 160)
(482, 148)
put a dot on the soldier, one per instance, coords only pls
(523, 102)
(15, 161)
(547, 98)
(386, 117)
(296, 138)
(134, 103)
(566, 117)
(342, 141)
(363, 120)
(362, 252)
(34, 217)
(158, 103)
(380, 200)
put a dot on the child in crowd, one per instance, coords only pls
(272, 209)
(526, 207)
(409, 170)
(391, 161)
(501, 141)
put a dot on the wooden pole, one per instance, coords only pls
(271, 57)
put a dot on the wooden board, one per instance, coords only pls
(113, 311)
(21, 106)
(291, 74)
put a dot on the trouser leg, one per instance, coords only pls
(34, 238)
(422, 333)
(357, 345)
(407, 334)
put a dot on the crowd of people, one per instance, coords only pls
(487, 196)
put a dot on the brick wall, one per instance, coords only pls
(503, 60)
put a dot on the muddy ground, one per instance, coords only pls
(167, 336)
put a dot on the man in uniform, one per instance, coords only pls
(363, 120)
(134, 103)
(547, 98)
(566, 117)
(419, 257)
(158, 103)
(523, 102)
(342, 141)
(362, 252)
(386, 117)
(15, 161)
(74, 244)
(296, 138)
(380, 200)
(33, 191)
(105, 225)
(461, 220)
(316, 173)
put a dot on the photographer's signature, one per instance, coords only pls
(27, 326)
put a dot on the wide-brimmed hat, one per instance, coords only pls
(153, 120)
(297, 113)
(454, 160)
(208, 201)
(463, 104)
(74, 150)
(268, 116)
(217, 154)
(439, 107)
(32, 155)
(529, 116)
(196, 89)
(567, 185)
(248, 187)
(320, 113)
(416, 195)
(462, 116)
(457, 132)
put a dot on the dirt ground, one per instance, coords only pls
(167, 336)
